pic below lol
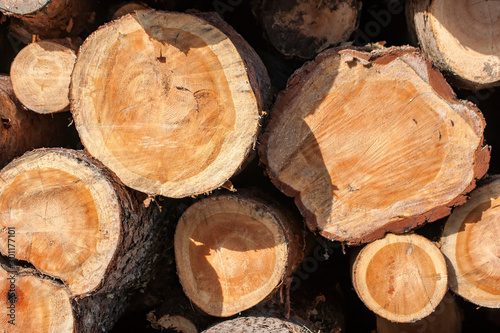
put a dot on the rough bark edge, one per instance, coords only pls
(29, 130)
(417, 19)
(440, 86)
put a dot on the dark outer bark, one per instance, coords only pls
(287, 40)
(176, 303)
(22, 130)
(142, 252)
(438, 83)
(57, 18)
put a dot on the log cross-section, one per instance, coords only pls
(402, 278)
(232, 252)
(471, 245)
(168, 101)
(370, 143)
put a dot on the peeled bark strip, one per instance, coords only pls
(181, 112)
(41, 74)
(232, 252)
(303, 28)
(400, 278)
(22, 130)
(76, 222)
(471, 245)
(257, 325)
(49, 18)
(30, 304)
(447, 318)
(370, 143)
(462, 39)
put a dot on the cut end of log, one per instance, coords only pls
(164, 100)
(304, 28)
(22, 7)
(400, 278)
(41, 74)
(471, 245)
(231, 253)
(66, 215)
(462, 39)
(30, 304)
(256, 325)
(370, 143)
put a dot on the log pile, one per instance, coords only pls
(157, 173)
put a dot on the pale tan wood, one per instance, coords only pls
(370, 143)
(461, 38)
(41, 74)
(303, 28)
(447, 318)
(471, 245)
(42, 306)
(181, 112)
(401, 278)
(232, 252)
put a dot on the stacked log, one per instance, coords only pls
(359, 165)
(367, 143)
(471, 245)
(181, 113)
(48, 18)
(41, 74)
(76, 224)
(470, 57)
(22, 130)
(234, 251)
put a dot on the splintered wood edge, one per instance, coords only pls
(238, 143)
(45, 62)
(414, 242)
(41, 306)
(433, 77)
(206, 208)
(467, 280)
(92, 271)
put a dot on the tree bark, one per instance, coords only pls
(372, 142)
(48, 18)
(75, 222)
(257, 325)
(400, 278)
(234, 251)
(447, 318)
(22, 130)
(462, 40)
(181, 113)
(471, 245)
(304, 28)
(41, 74)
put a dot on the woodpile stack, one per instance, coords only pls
(249, 166)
